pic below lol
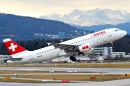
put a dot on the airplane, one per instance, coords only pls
(83, 44)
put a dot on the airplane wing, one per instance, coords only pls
(65, 47)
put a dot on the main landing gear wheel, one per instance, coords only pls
(72, 58)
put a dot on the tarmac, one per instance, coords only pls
(104, 70)
(107, 71)
(123, 82)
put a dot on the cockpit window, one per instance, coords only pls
(117, 30)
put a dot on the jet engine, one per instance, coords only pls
(84, 48)
(91, 50)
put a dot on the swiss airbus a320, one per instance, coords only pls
(83, 44)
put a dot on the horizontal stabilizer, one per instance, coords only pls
(15, 59)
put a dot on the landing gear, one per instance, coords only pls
(112, 45)
(81, 53)
(72, 58)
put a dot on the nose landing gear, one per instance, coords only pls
(112, 45)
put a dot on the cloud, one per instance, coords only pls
(39, 7)
(92, 17)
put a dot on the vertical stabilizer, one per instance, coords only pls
(13, 47)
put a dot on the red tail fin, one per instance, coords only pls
(13, 47)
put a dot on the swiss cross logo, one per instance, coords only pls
(12, 47)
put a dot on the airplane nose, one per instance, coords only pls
(124, 33)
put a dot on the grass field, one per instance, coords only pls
(70, 65)
(20, 81)
(78, 77)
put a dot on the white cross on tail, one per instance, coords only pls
(12, 47)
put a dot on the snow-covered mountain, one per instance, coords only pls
(91, 17)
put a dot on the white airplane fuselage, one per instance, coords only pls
(50, 52)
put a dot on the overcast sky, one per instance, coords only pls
(37, 8)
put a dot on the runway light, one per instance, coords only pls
(93, 77)
(82, 62)
(65, 80)
(125, 74)
(100, 73)
(7, 78)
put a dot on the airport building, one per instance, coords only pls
(3, 58)
(61, 35)
(118, 53)
(103, 51)
(1, 61)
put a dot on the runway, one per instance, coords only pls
(69, 71)
(124, 82)
(105, 70)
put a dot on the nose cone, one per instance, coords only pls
(124, 33)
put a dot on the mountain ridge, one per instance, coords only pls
(25, 28)
(123, 26)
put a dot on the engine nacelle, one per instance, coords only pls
(89, 51)
(84, 48)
